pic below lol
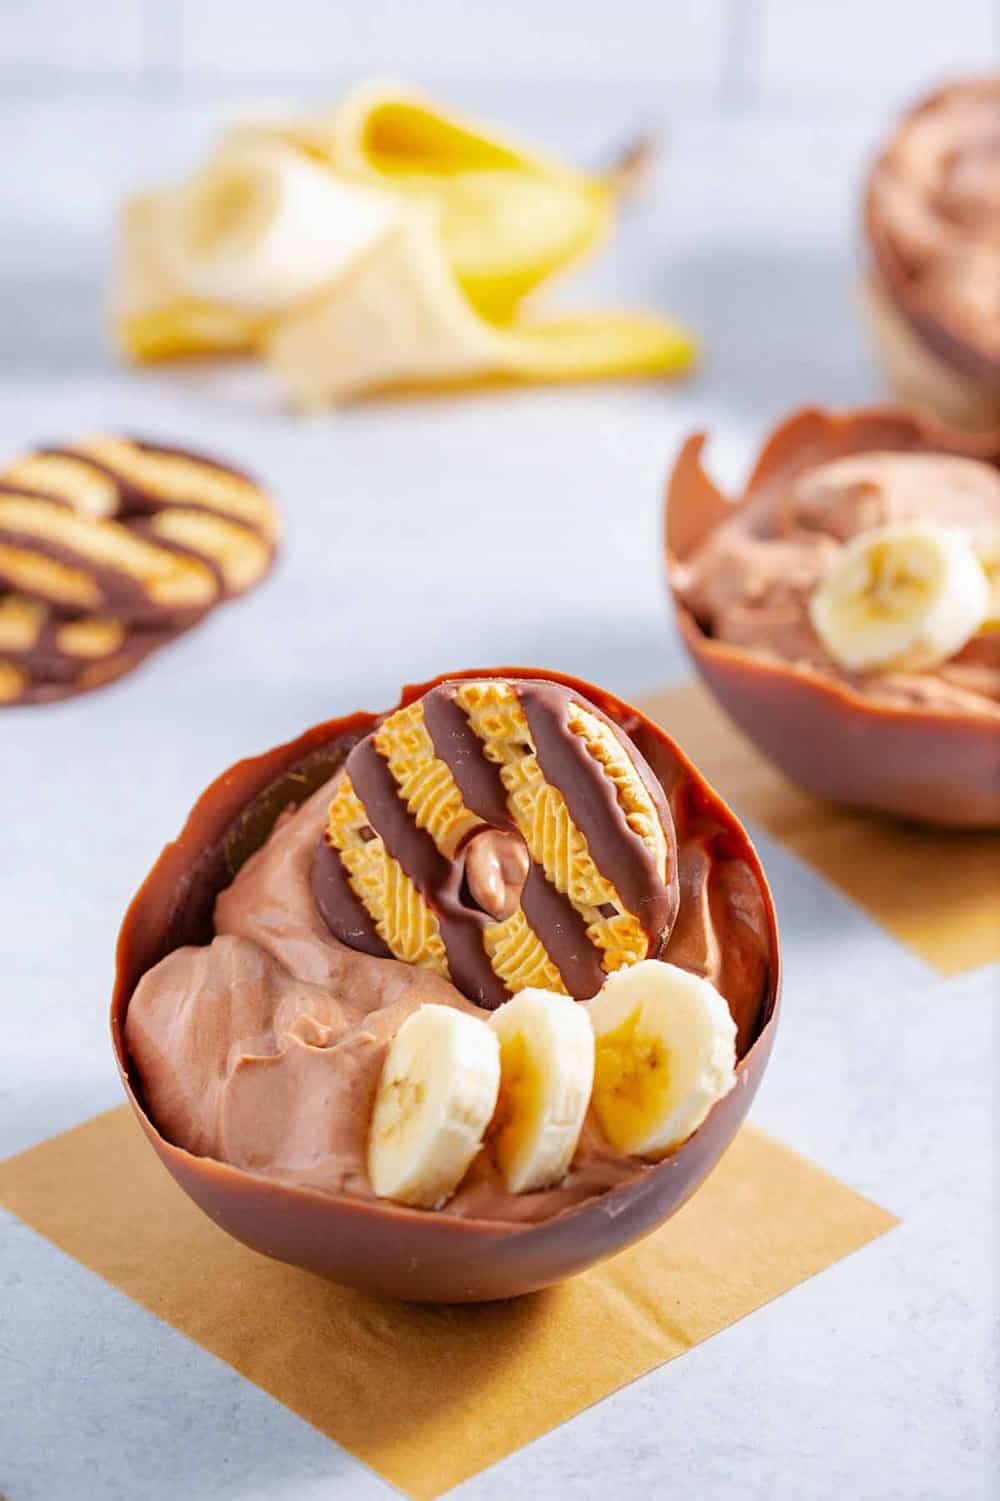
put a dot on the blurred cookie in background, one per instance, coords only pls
(109, 548)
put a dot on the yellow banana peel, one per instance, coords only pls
(399, 320)
(436, 299)
(510, 218)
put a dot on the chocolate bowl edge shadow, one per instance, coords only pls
(375, 1246)
(911, 763)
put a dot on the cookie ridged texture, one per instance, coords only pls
(111, 546)
(425, 784)
(542, 817)
(528, 759)
(402, 918)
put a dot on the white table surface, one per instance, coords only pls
(513, 527)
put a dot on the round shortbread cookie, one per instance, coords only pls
(142, 532)
(53, 656)
(504, 833)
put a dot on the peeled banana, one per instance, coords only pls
(665, 1054)
(383, 245)
(546, 1074)
(906, 595)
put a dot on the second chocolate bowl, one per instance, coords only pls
(722, 925)
(898, 744)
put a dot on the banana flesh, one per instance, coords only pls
(547, 1072)
(436, 1095)
(986, 546)
(262, 227)
(510, 217)
(650, 1054)
(665, 1054)
(907, 595)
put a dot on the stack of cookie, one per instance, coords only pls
(109, 547)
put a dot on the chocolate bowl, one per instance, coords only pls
(377, 1246)
(911, 762)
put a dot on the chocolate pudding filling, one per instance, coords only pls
(263, 1048)
(933, 212)
(750, 581)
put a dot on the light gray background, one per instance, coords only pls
(520, 527)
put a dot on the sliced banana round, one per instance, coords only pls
(546, 1075)
(986, 546)
(905, 595)
(435, 1098)
(262, 227)
(665, 1053)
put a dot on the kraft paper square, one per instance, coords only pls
(936, 890)
(430, 1396)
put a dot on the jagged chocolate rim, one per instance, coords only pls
(234, 816)
(950, 346)
(695, 506)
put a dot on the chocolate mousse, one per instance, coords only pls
(932, 219)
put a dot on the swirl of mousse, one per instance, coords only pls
(755, 579)
(489, 828)
(933, 225)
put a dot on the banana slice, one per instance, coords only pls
(435, 1098)
(261, 227)
(986, 546)
(665, 1053)
(904, 595)
(546, 1074)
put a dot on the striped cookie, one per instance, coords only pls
(56, 655)
(143, 532)
(108, 548)
(503, 833)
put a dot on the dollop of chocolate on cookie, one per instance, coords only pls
(496, 867)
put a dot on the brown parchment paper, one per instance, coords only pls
(936, 890)
(429, 1396)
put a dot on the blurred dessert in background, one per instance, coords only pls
(110, 547)
(382, 245)
(846, 609)
(932, 222)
